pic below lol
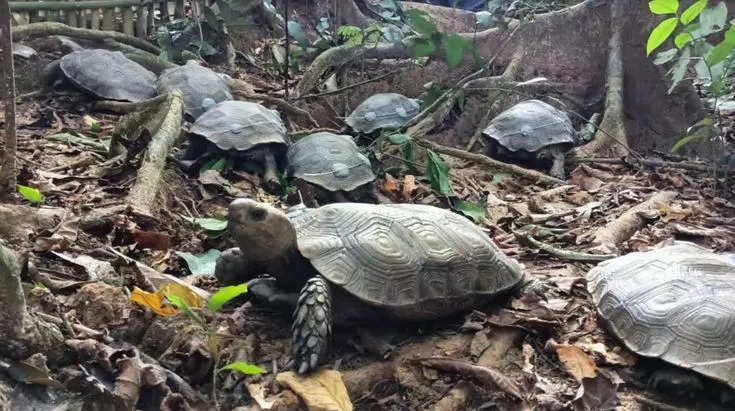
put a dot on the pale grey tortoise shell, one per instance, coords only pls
(331, 161)
(240, 125)
(419, 262)
(383, 110)
(109, 75)
(676, 303)
(196, 83)
(530, 126)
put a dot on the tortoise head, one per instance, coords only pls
(262, 232)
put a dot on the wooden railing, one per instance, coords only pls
(132, 17)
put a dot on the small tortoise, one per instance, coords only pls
(197, 84)
(333, 165)
(246, 131)
(532, 130)
(106, 74)
(383, 110)
(676, 303)
(356, 261)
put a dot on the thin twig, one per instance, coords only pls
(288, 57)
(646, 162)
(525, 238)
(341, 89)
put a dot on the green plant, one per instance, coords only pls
(692, 31)
(215, 302)
(431, 40)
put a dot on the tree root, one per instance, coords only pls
(22, 334)
(143, 193)
(650, 163)
(615, 232)
(615, 140)
(526, 239)
(482, 159)
(53, 28)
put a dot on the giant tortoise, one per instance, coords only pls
(382, 110)
(676, 303)
(333, 166)
(354, 261)
(197, 84)
(106, 74)
(532, 130)
(243, 130)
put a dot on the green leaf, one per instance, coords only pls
(243, 367)
(295, 31)
(720, 52)
(469, 209)
(679, 69)
(420, 22)
(665, 56)
(660, 34)
(399, 138)
(183, 306)
(682, 39)
(454, 48)
(31, 194)
(437, 171)
(408, 157)
(692, 11)
(664, 6)
(217, 164)
(202, 264)
(209, 224)
(224, 295)
(423, 48)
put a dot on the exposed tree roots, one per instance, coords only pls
(52, 28)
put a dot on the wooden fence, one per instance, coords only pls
(133, 17)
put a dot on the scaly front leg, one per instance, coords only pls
(312, 325)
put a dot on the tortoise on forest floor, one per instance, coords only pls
(532, 130)
(196, 84)
(334, 166)
(361, 262)
(245, 131)
(676, 303)
(382, 110)
(106, 74)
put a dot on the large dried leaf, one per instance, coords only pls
(576, 361)
(321, 391)
(598, 394)
(156, 302)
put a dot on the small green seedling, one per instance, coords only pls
(216, 301)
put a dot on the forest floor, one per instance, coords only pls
(542, 347)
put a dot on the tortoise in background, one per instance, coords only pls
(243, 130)
(362, 262)
(382, 110)
(197, 84)
(333, 166)
(676, 303)
(532, 130)
(106, 74)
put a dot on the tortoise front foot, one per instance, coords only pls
(232, 267)
(312, 325)
(557, 168)
(264, 290)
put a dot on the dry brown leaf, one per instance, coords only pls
(576, 361)
(389, 186)
(672, 213)
(409, 185)
(323, 390)
(156, 301)
(611, 356)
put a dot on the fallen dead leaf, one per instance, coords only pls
(672, 213)
(323, 390)
(156, 301)
(409, 185)
(389, 186)
(615, 356)
(597, 393)
(576, 361)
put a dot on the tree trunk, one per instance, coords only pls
(8, 172)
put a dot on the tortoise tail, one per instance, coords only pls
(312, 324)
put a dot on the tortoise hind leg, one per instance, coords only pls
(312, 325)
(557, 169)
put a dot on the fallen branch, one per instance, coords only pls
(485, 375)
(341, 89)
(143, 193)
(125, 107)
(482, 159)
(526, 239)
(622, 228)
(52, 28)
(628, 161)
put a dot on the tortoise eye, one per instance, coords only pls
(257, 214)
